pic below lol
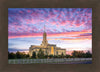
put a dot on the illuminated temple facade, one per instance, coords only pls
(48, 49)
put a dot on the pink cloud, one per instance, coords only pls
(28, 11)
(21, 11)
(64, 34)
(53, 23)
(63, 23)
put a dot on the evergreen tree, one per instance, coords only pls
(40, 53)
(62, 55)
(34, 55)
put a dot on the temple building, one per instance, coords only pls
(48, 49)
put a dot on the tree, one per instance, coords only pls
(23, 55)
(88, 54)
(51, 56)
(75, 54)
(11, 55)
(78, 54)
(68, 56)
(46, 53)
(62, 55)
(81, 54)
(59, 56)
(46, 56)
(27, 55)
(40, 53)
(18, 55)
(34, 55)
(55, 56)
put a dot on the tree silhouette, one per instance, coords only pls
(68, 56)
(11, 55)
(75, 54)
(18, 55)
(88, 54)
(81, 54)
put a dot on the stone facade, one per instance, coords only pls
(47, 48)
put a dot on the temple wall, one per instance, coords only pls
(50, 50)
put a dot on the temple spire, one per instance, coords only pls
(44, 42)
(44, 27)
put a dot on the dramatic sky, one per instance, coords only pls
(69, 28)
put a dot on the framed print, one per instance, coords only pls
(49, 36)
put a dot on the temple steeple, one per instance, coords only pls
(44, 42)
(44, 27)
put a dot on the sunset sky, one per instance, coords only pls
(69, 28)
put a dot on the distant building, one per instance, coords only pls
(49, 49)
